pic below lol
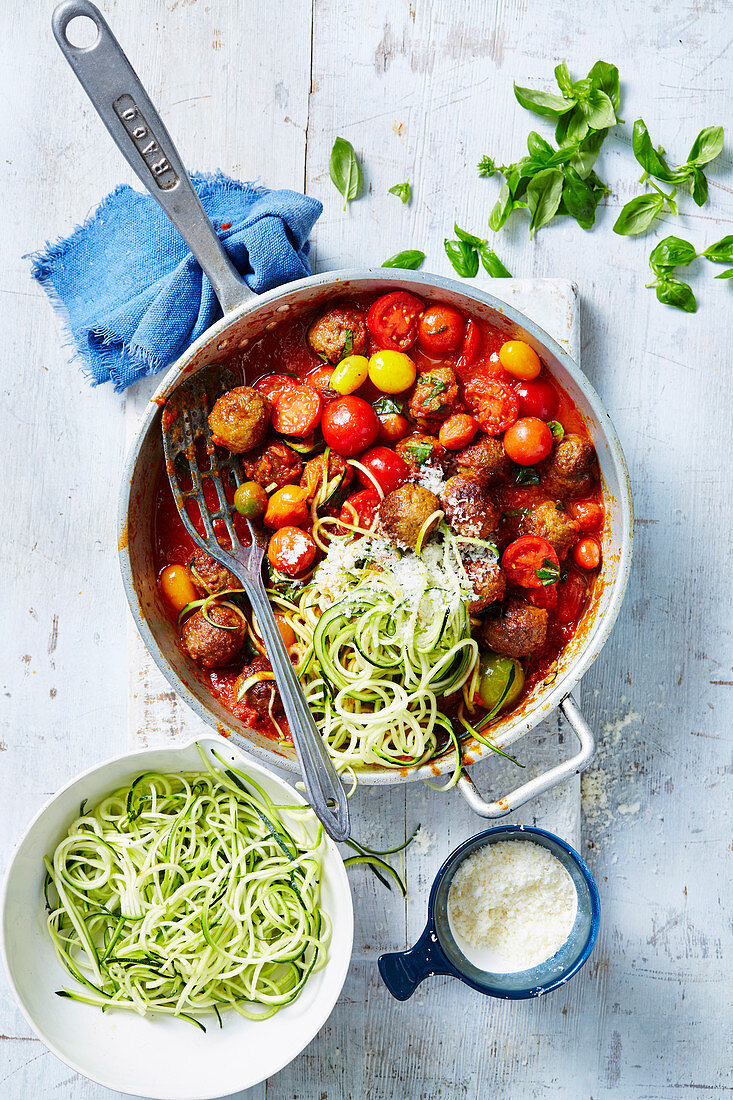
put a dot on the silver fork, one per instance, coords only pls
(185, 425)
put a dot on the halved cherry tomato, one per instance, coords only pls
(529, 440)
(291, 551)
(272, 385)
(177, 586)
(570, 597)
(392, 320)
(588, 513)
(531, 562)
(587, 554)
(537, 397)
(457, 431)
(470, 348)
(297, 411)
(386, 467)
(393, 427)
(439, 330)
(287, 507)
(320, 379)
(349, 425)
(360, 510)
(495, 405)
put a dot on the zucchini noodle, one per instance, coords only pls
(188, 893)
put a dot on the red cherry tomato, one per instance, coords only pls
(531, 562)
(320, 379)
(588, 513)
(494, 404)
(360, 510)
(291, 551)
(392, 320)
(570, 598)
(470, 348)
(393, 427)
(537, 398)
(349, 425)
(297, 411)
(528, 441)
(543, 597)
(388, 469)
(272, 385)
(439, 330)
(587, 554)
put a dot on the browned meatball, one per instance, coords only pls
(488, 581)
(208, 575)
(403, 512)
(277, 465)
(420, 451)
(338, 332)
(262, 696)
(435, 393)
(518, 629)
(552, 524)
(571, 469)
(468, 507)
(240, 419)
(485, 459)
(213, 645)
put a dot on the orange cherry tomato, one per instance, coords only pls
(297, 411)
(531, 562)
(587, 554)
(286, 631)
(393, 427)
(291, 551)
(588, 513)
(528, 440)
(457, 431)
(287, 507)
(177, 587)
(519, 359)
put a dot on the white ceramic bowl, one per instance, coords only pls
(165, 1058)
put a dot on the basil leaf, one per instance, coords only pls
(598, 110)
(538, 148)
(467, 237)
(502, 208)
(637, 216)
(673, 292)
(558, 432)
(699, 186)
(348, 344)
(587, 152)
(574, 129)
(721, 252)
(486, 167)
(543, 197)
(542, 103)
(421, 452)
(548, 574)
(526, 475)
(463, 257)
(492, 263)
(403, 191)
(605, 77)
(707, 146)
(579, 199)
(564, 81)
(387, 405)
(726, 274)
(648, 157)
(411, 259)
(670, 253)
(344, 169)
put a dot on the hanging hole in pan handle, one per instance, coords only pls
(541, 783)
(77, 24)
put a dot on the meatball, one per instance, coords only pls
(468, 508)
(485, 460)
(210, 644)
(263, 696)
(209, 576)
(571, 468)
(518, 630)
(240, 419)
(422, 451)
(277, 465)
(334, 466)
(487, 580)
(338, 332)
(552, 524)
(435, 393)
(403, 512)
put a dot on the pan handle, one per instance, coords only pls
(138, 131)
(540, 783)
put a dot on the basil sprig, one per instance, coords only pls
(411, 259)
(548, 574)
(674, 252)
(345, 170)
(465, 253)
(403, 191)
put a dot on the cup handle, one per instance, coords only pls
(402, 971)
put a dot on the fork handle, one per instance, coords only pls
(323, 786)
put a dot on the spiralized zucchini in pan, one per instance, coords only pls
(434, 513)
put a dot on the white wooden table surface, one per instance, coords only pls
(260, 89)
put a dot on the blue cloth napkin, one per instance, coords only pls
(132, 294)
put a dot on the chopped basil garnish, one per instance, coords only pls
(558, 432)
(348, 344)
(421, 452)
(527, 475)
(386, 405)
(548, 574)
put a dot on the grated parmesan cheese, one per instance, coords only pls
(430, 477)
(511, 906)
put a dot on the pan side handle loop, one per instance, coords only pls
(540, 783)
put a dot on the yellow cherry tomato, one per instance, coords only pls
(392, 371)
(351, 372)
(520, 359)
(177, 586)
